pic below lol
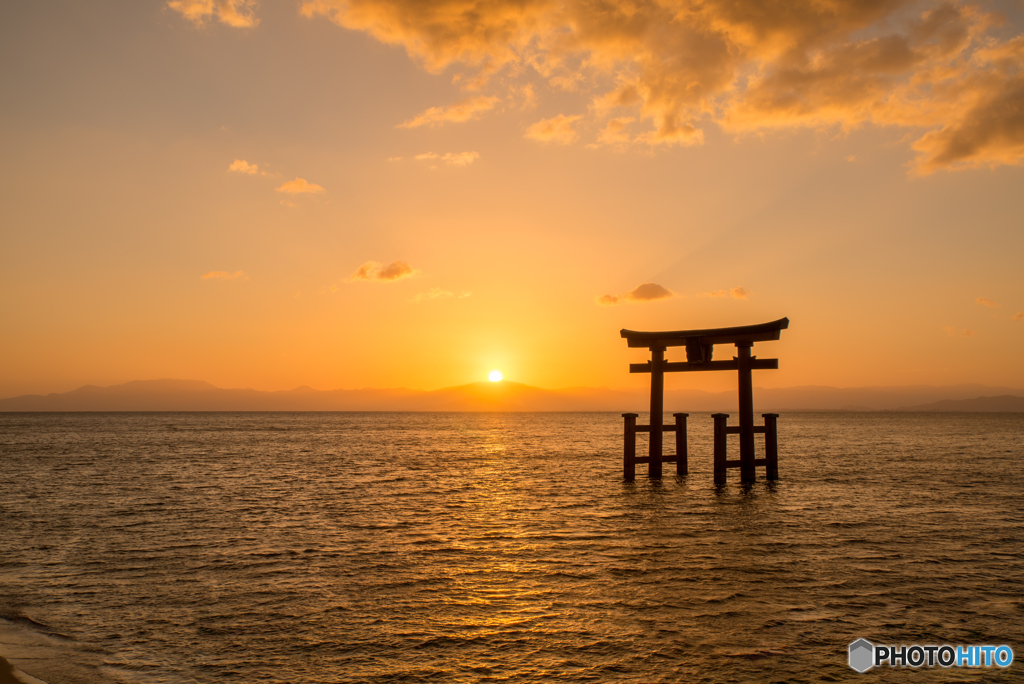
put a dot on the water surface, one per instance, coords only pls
(365, 547)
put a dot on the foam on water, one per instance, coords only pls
(502, 547)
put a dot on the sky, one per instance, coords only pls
(398, 193)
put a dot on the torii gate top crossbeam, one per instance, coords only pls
(762, 332)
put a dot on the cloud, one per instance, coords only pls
(948, 74)
(450, 158)
(1019, 316)
(967, 333)
(374, 271)
(953, 331)
(460, 159)
(242, 166)
(985, 301)
(237, 13)
(464, 110)
(224, 275)
(738, 293)
(299, 186)
(437, 293)
(556, 129)
(647, 292)
(734, 292)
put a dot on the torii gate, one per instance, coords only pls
(699, 346)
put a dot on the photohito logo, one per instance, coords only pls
(865, 655)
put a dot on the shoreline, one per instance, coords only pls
(29, 657)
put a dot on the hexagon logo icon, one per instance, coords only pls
(862, 655)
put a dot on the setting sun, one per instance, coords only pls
(495, 376)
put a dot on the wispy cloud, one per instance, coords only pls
(985, 301)
(1019, 316)
(460, 158)
(557, 129)
(242, 166)
(438, 293)
(464, 110)
(237, 13)
(375, 271)
(734, 292)
(299, 186)
(224, 275)
(953, 331)
(450, 158)
(646, 292)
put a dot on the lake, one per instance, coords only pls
(468, 547)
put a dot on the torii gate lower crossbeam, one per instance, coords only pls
(699, 346)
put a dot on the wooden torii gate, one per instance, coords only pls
(699, 347)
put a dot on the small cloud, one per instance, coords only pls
(647, 292)
(464, 110)
(953, 331)
(374, 271)
(433, 293)
(557, 129)
(460, 158)
(985, 301)
(237, 13)
(224, 275)
(950, 330)
(242, 166)
(967, 333)
(450, 158)
(299, 186)
(394, 159)
(438, 293)
(1019, 316)
(734, 292)
(851, 158)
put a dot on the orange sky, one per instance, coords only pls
(361, 193)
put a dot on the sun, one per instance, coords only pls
(495, 376)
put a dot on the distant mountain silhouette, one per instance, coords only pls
(197, 395)
(1007, 403)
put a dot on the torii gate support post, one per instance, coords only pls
(682, 467)
(657, 409)
(720, 445)
(746, 396)
(771, 446)
(629, 447)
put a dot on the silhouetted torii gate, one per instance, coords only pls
(699, 346)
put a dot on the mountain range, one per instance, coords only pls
(197, 395)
